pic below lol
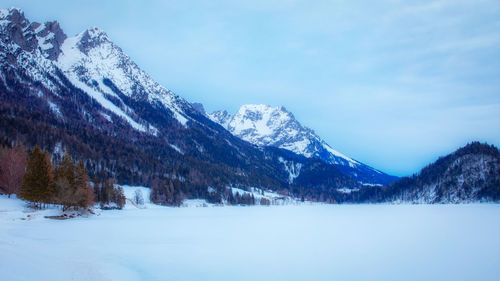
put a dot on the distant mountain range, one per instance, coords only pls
(85, 95)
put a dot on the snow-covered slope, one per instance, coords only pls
(92, 61)
(264, 125)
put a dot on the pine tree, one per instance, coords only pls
(107, 191)
(119, 197)
(84, 196)
(66, 169)
(30, 184)
(65, 188)
(96, 187)
(38, 181)
(48, 191)
(62, 195)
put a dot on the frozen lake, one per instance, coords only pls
(322, 242)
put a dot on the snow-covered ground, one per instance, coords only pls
(306, 242)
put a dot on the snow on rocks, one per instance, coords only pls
(91, 56)
(87, 59)
(265, 125)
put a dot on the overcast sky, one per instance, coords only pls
(393, 84)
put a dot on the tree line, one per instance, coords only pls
(35, 178)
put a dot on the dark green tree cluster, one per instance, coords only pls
(167, 193)
(67, 185)
(237, 199)
(38, 182)
(265, 202)
(71, 185)
(109, 196)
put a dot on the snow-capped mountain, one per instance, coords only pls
(93, 63)
(84, 94)
(90, 61)
(264, 125)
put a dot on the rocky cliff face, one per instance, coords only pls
(18, 31)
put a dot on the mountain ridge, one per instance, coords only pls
(469, 174)
(83, 94)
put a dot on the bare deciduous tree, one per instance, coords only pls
(138, 199)
(13, 168)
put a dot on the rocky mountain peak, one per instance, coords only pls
(221, 117)
(264, 125)
(15, 29)
(91, 38)
(14, 15)
(50, 38)
(199, 107)
(258, 110)
(31, 36)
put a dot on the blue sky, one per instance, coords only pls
(394, 84)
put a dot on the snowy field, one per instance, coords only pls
(311, 242)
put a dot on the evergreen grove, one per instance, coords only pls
(67, 184)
